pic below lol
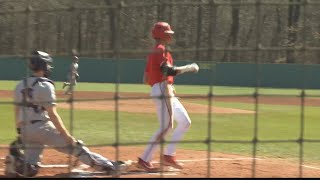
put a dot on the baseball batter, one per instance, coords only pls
(159, 74)
(72, 76)
(38, 124)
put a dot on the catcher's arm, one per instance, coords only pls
(57, 122)
(169, 70)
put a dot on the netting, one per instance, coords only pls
(210, 31)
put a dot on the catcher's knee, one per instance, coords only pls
(15, 148)
(27, 170)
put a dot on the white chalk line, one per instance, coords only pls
(90, 174)
(83, 173)
(187, 160)
(157, 162)
(311, 167)
(196, 160)
(54, 165)
(212, 159)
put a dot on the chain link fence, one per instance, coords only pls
(227, 31)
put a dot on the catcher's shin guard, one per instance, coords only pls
(10, 169)
(13, 159)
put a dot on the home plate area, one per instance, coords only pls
(196, 165)
(83, 171)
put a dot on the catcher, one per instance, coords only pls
(38, 124)
(72, 76)
(159, 74)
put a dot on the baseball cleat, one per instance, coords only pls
(67, 93)
(10, 170)
(109, 171)
(119, 168)
(171, 161)
(147, 166)
(122, 167)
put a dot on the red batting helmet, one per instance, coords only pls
(162, 30)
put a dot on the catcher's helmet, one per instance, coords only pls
(40, 60)
(162, 30)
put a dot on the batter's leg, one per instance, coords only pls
(183, 123)
(165, 127)
(65, 84)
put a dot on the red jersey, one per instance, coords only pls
(155, 59)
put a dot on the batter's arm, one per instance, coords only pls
(57, 121)
(169, 70)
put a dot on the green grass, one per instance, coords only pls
(7, 128)
(275, 122)
(181, 89)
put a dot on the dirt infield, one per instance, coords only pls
(195, 163)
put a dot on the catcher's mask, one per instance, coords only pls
(40, 60)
